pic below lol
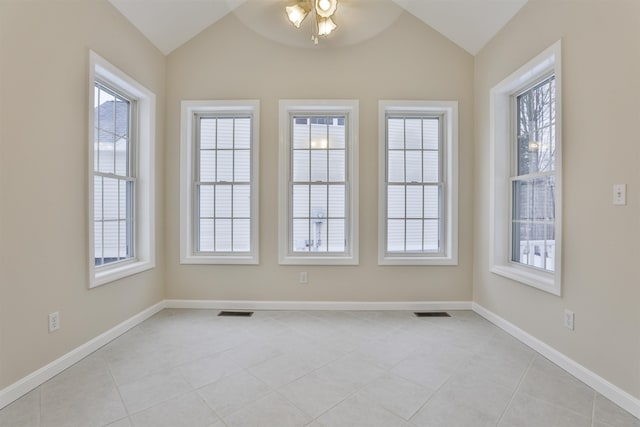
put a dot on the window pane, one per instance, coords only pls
(319, 135)
(223, 202)
(431, 134)
(301, 235)
(110, 198)
(414, 201)
(241, 201)
(395, 235)
(414, 235)
(243, 133)
(337, 136)
(207, 166)
(301, 201)
(301, 129)
(431, 166)
(206, 201)
(242, 166)
(550, 211)
(336, 235)
(395, 160)
(106, 153)
(122, 239)
(520, 242)
(336, 166)
(414, 166)
(207, 133)
(395, 134)
(242, 235)
(97, 242)
(413, 134)
(431, 201)
(432, 235)
(319, 234)
(206, 235)
(522, 200)
(550, 247)
(319, 164)
(225, 133)
(122, 199)
(223, 235)
(301, 165)
(395, 201)
(337, 201)
(319, 201)
(225, 165)
(122, 157)
(97, 197)
(110, 240)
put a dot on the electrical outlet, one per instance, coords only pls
(304, 279)
(620, 194)
(569, 317)
(54, 321)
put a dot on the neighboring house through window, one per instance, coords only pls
(318, 182)
(121, 183)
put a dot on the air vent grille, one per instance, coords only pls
(431, 314)
(236, 313)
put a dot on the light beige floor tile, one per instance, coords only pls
(188, 410)
(84, 394)
(357, 411)
(351, 370)
(607, 412)
(548, 382)
(271, 410)
(124, 422)
(24, 412)
(440, 411)
(396, 394)
(527, 411)
(231, 393)
(253, 352)
(281, 370)
(152, 389)
(208, 369)
(314, 394)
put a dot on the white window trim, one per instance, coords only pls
(449, 111)
(144, 215)
(187, 150)
(350, 107)
(501, 151)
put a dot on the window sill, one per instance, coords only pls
(110, 274)
(316, 260)
(544, 281)
(220, 260)
(417, 260)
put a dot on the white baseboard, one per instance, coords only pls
(593, 380)
(319, 305)
(35, 379)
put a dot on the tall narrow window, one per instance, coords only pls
(526, 173)
(533, 182)
(121, 179)
(418, 182)
(219, 170)
(113, 176)
(317, 214)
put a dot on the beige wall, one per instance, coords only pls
(601, 79)
(44, 49)
(408, 61)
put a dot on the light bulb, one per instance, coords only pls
(325, 26)
(324, 4)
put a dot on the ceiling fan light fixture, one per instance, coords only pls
(297, 13)
(325, 26)
(326, 8)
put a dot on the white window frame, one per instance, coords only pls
(448, 112)
(502, 122)
(143, 124)
(189, 111)
(350, 108)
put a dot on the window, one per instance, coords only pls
(418, 183)
(219, 207)
(121, 137)
(318, 187)
(526, 178)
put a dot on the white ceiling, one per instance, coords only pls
(170, 23)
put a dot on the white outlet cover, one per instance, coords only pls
(620, 194)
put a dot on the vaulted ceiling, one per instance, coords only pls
(168, 24)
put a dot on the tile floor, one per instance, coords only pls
(314, 368)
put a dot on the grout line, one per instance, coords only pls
(513, 396)
(593, 409)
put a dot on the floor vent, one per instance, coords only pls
(431, 314)
(236, 313)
